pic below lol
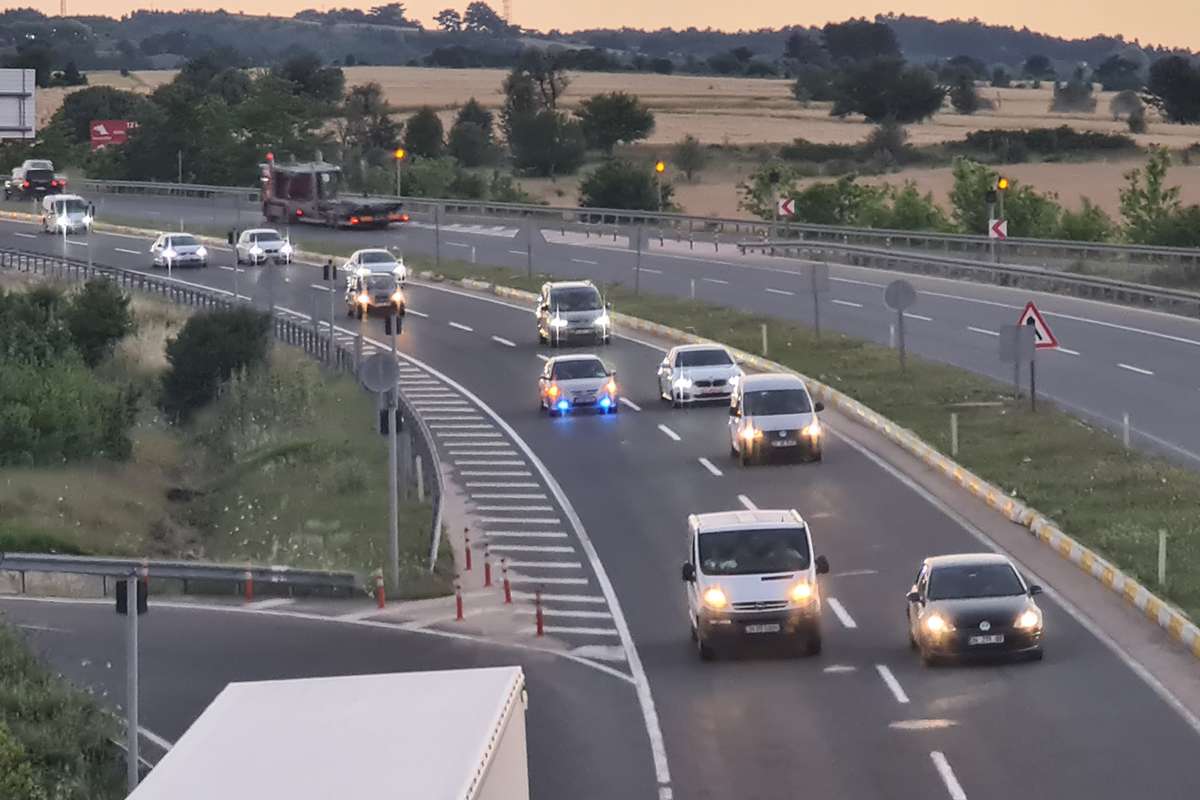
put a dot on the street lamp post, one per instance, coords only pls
(659, 168)
(399, 154)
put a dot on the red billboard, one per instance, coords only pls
(110, 131)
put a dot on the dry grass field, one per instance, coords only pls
(740, 111)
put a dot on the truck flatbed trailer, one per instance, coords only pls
(311, 192)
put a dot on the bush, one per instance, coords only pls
(1088, 224)
(1137, 121)
(913, 211)
(1000, 78)
(614, 117)
(689, 155)
(887, 89)
(547, 143)
(622, 184)
(804, 150)
(423, 133)
(888, 143)
(1074, 95)
(1030, 213)
(210, 348)
(1014, 146)
(963, 96)
(470, 144)
(17, 780)
(813, 83)
(98, 317)
(1125, 104)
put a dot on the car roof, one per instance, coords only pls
(261, 230)
(383, 250)
(577, 357)
(772, 380)
(734, 520)
(967, 559)
(54, 198)
(571, 285)
(691, 348)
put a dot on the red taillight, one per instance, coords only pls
(354, 220)
(54, 183)
(299, 212)
(404, 217)
(25, 185)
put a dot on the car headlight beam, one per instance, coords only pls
(801, 593)
(558, 322)
(812, 430)
(682, 383)
(750, 433)
(1028, 620)
(936, 624)
(202, 252)
(602, 321)
(715, 599)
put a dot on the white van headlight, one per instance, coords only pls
(801, 593)
(715, 599)
(202, 252)
(286, 249)
(558, 322)
(812, 430)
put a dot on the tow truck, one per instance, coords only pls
(310, 192)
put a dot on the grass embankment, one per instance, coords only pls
(55, 741)
(284, 467)
(1106, 498)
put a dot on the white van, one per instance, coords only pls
(66, 213)
(752, 575)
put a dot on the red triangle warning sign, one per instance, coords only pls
(1043, 337)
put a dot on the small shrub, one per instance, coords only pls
(1074, 95)
(17, 780)
(1137, 123)
(963, 96)
(98, 317)
(625, 185)
(1089, 224)
(210, 348)
(688, 154)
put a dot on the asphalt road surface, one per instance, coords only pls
(863, 720)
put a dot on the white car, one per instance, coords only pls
(773, 414)
(66, 213)
(376, 260)
(260, 245)
(583, 381)
(752, 575)
(697, 372)
(178, 250)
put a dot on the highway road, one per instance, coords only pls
(864, 720)
(1114, 360)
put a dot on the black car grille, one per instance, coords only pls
(706, 384)
(761, 605)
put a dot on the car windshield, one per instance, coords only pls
(702, 358)
(752, 552)
(75, 206)
(964, 581)
(776, 401)
(582, 368)
(183, 241)
(380, 283)
(262, 236)
(581, 299)
(375, 257)
(38, 175)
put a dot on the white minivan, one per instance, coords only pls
(752, 575)
(773, 415)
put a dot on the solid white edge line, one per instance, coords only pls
(840, 611)
(1086, 622)
(892, 683)
(672, 435)
(711, 467)
(943, 767)
(747, 502)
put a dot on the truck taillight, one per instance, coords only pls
(54, 183)
(25, 185)
(354, 220)
(404, 217)
(299, 212)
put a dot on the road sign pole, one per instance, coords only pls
(529, 248)
(1162, 558)
(816, 301)
(437, 235)
(1033, 382)
(393, 479)
(991, 215)
(900, 329)
(637, 265)
(131, 681)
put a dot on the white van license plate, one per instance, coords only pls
(997, 639)
(771, 627)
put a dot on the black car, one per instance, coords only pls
(36, 183)
(973, 605)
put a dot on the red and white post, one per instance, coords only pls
(458, 601)
(248, 585)
(487, 565)
(380, 596)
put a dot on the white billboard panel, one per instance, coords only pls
(18, 117)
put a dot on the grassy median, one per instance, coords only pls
(1112, 500)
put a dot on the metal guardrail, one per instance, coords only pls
(316, 338)
(1095, 287)
(1045, 252)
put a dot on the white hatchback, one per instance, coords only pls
(376, 260)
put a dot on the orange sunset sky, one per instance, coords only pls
(1167, 22)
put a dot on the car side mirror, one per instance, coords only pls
(1034, 590)
(819, 407)
(689, 572)
(608, 306)
(913, 597)
(822, 565)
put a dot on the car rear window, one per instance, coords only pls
(754, 552)
(38, 175)
(579, 299)
(965, 581)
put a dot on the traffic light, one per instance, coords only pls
(123, 597)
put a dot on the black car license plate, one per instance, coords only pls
(997, 638)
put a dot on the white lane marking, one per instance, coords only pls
(853, 572)
(921, 724)
(416, 313)
(514, 508)
(479, 444)
(465, 434)
(581, 631)
(856, 283)
(672, 435)
(918, 316)
(1085, 621)
(1138, 370)
(542, 357)
(747, 502)
(526, 534)
(451, 426)
(943, 768)
(30, 236)
(652, 271)
(849, 303)
(839, 668)
(495, 474)
(779, 291)
(583, 261)
(503, 341)
(77, 244)
(457, 244)
(892, 683)
(316, 286)
(523, 520)
(128, 251)
(841, 613)
(555, 581)
(565, 612)
(984, 331)
(1067, 350)
(454, 453)
(715, 280)
(274, 602)
(545, 564)
(708, 465)
(481, 462)
(551, 597)
(625, 401)
(462, 327)
(518, 252)
(501, 485)
(43, 628)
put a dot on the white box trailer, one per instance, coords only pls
(449, 735)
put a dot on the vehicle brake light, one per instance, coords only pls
(299, 212)
(54, 183)
(25, 185)
(354, 220)
(404, 217)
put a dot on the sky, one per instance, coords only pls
(1167, 22)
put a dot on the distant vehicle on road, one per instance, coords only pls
(260, 245)
(773, 414)
(568, 383)
(697, 372)
(569, 310)
(33, 182)
(311, 192)
(371, 291)
(66, 213)
(178, 250)
(377, 260)
(752, 575)
(973, 605)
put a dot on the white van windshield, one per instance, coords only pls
(753, 552)
(580, 299)
(74, 206)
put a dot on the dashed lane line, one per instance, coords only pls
(842, 614)
(711, 467)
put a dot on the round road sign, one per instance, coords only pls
(900, 295)
(379, 373)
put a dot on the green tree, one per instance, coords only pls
(312, 79)
(1074, 95)
(622, 184)
(963, 96)
(79, 109)
(614, 117)
(1181, 229)
(689, 155)
(1000, 78)
(471, 136)
(98, 317)
(759, 193)
(1116, 74)
(1088, 224)
(482, 18)
(208, 350)
(1174, 89)
(423, 133)
(367, 125)
(449, 20)
(913, 211)
(547, 143)
(887, 89)
(860, 40)
(275, 118)
(813, 83)
(1030, 214)
(1146, 200)
(1125, 104)
(1038, 67)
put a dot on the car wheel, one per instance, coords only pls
(704, 649)
(746, 458)
(812, 647)
(816, 456)
(928, 658)
(349, 311)
(912, 642)
(615, 408)
(1037, 655)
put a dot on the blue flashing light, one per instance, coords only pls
(563, 405)
(605, 402)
